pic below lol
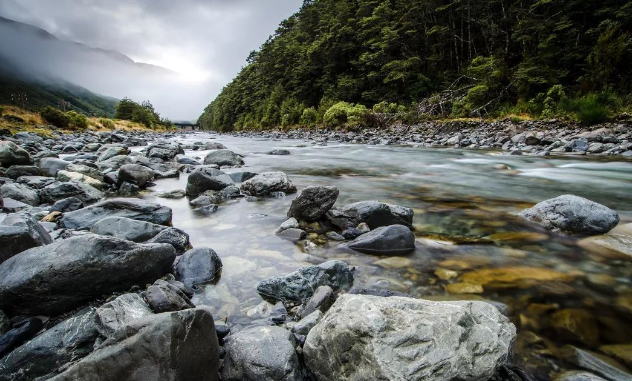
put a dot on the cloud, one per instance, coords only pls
(207, 41)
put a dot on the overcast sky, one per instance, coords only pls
(207, 41)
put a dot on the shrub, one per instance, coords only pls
(107, 123)
(125, 109)
(309, 117)
(1, 110)
(346, 114)
(77, 121)
(143, 116)
(591, 109)
(55, 117)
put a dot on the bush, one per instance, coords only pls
(125, 109)
(77, 121)
(107, 123)
(143, 116)
(55, 117)
(309, 117)
(591, 109)
(346, 114)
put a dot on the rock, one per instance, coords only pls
(574, 215)
(300, 285)
(51, 165)
(119, 313)
(88, 169)
(197, 266)
(5, 323)
(16, 171)
(20, 193)
(279, 152)
(374, 213)
(59, 191)
(35, 182)
(109, 151)
(385, 240)
(464, 288)
(67, 341)
(291, 223)
(313, 203)
(135, 174)
(127, 229)
(66, 274)
(65, 176)
(163, 296)
(176, 346)
(261, 353)
(365, 337)
(181, 159)
(133, 208)
(576, 325)
(175, 237)
(114, 163)
(20, 334)
(20, 232)
(303, 326)
(164, 151)
(128, 189)
(206, 178)
(292, 234)
(265, 184)
(12, 154)
(596, 363)
(12, 206)
(622, 352)
(173, 194)
(322, 299)
(65, 205)
(240, 177)
(514, 277)
(224, 158)
(610, 245)
(579, 376)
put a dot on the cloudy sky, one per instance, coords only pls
(206, 41)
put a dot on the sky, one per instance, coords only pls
(205, 42)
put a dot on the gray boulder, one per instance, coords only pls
(164, 151)
(109, 151)
(56, 278)
(35, 182)
(177, 238)
(69, 204)
(597, 363)
(20, 232)
(266, 183)
(313, 203)
(59, 191)
(300, 284)
(51, 165)
(114, 163)
(12, 154)
(16, 171)
(20, 193)
(5, 323)
(261, 353)
(205, 178)
(179, 346)
(133, 208)
(135, 174)
(572, 214)
(374, 213)
(579, 376)
(120, 312)
(385, 240)
(197, 266)
(127, 229)
(224, 158)
(365, 337)
(322, 300)
(240, 177)
(303, 326)
(163, 296)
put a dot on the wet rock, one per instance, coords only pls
(596, 363)
(261, 353)
(610, 245)
(135, 174)
(67, 341)
(59, 191)
(408, 339)
(16, 171)
(374, 213)
(109, 151)
(385, 240)
(181, 159)
(5, 323)
(300, 285)
(114, 163)
(514, 277)
(292, 234)
(206, 211)
(574, 215)
(197, 266)
(579, 376)
(176, 346)
(128, 189)
(206, 178)
(303, 326)
(133, 208)
(164, 151)
(127, 229)
(20, 193)
(622, 352)
(163, 296)
(240, 177)
(279, 152)
(65, 176)
(177, 238)
(51, 165)
(20, 232)
(120, 312)
(322, 299)
(576, 325)
(20, 334)
(10, 205)
(313, 203)
(12, 154)
(61, 276)
(267, 183)
(173, 194)
(224, 158)
(291, 223)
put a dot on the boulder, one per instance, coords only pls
(261, 353)
(224, 158)
(20, 232)
(178, 346)
(120, 312)
(59, 191)
(20, 193)
(313, 203)
(127, 229)
(12, 154)
(133, 208)
(365, 337)
(175, 194)
(51, 165)
(16, 171)
(67, 341)
(109, 151)
(205, 178)
(66, 274)
(5, 323)
(66, 176)
(35, 182)
(303, 326)
(177, 238)
(374, 213)
(65, 205)
(322, 299)
(114, 163)
(300, 285)
(572, 214)
(267, 183)
(21, 333)
(135, 174)
(240, 177)
(385, 240)
(597, 363)
(164, 151)
(279, 152)
(197, 266)
(163, 296)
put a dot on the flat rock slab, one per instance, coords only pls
(133, 208)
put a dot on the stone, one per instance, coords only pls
(21, 333)
(374, 213)
(514, 277)
(575, 375)
(5, 323)
(35, 182)
(163, 296)
(176, 346)
(177, 238)
(385, 240)
(68, 341)
(365, 337)
(313, 203)
(322, 299)
(574, 215)
(303, 326)
(114, 163)
(136, 174)
(267, 183)
(10, 205)
(109, 151)
(610, 245)
(291, 223)
(65, 176)
(56, 278)
(621, 352)
(464, 288)
(300, 284)
(279, 152)
(240, 177)
(445, 274)
(576, 325)
(65, 205)
(20, 232)
(127, 229)
(12, 154)
(51, 165)
(198, 266)
(128, 190)
(119, 313)
(292, 234)
(172, 194)
(59, 191)
(164, 151)
(224, 158)
(20, 193)
(261, 353)
(181, 159)
(206, 210)
(205, 178)
(133, 208)
(16, 171)
(596, 363)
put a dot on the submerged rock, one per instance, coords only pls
(313, 203)
(373, 213)
(365, 337)
(385, 240)
(133, 208)
(514, 277)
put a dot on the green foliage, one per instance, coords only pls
(1, 110)
(343, 114)
(125, 109)
(77, 121)
(56, 117)
(589, 109)
(310, 117)
(143, 113)
(107, 123)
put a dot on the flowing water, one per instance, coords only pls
(468, 236)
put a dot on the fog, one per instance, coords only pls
(196, 57)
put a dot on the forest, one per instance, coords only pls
(366, 62)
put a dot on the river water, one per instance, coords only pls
(465, 204)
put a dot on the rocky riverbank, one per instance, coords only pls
(540, 138)
(97, 284)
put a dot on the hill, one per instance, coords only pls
(434, 58)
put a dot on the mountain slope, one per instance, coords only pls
(471, 57)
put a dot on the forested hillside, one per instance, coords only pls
(427, 58)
